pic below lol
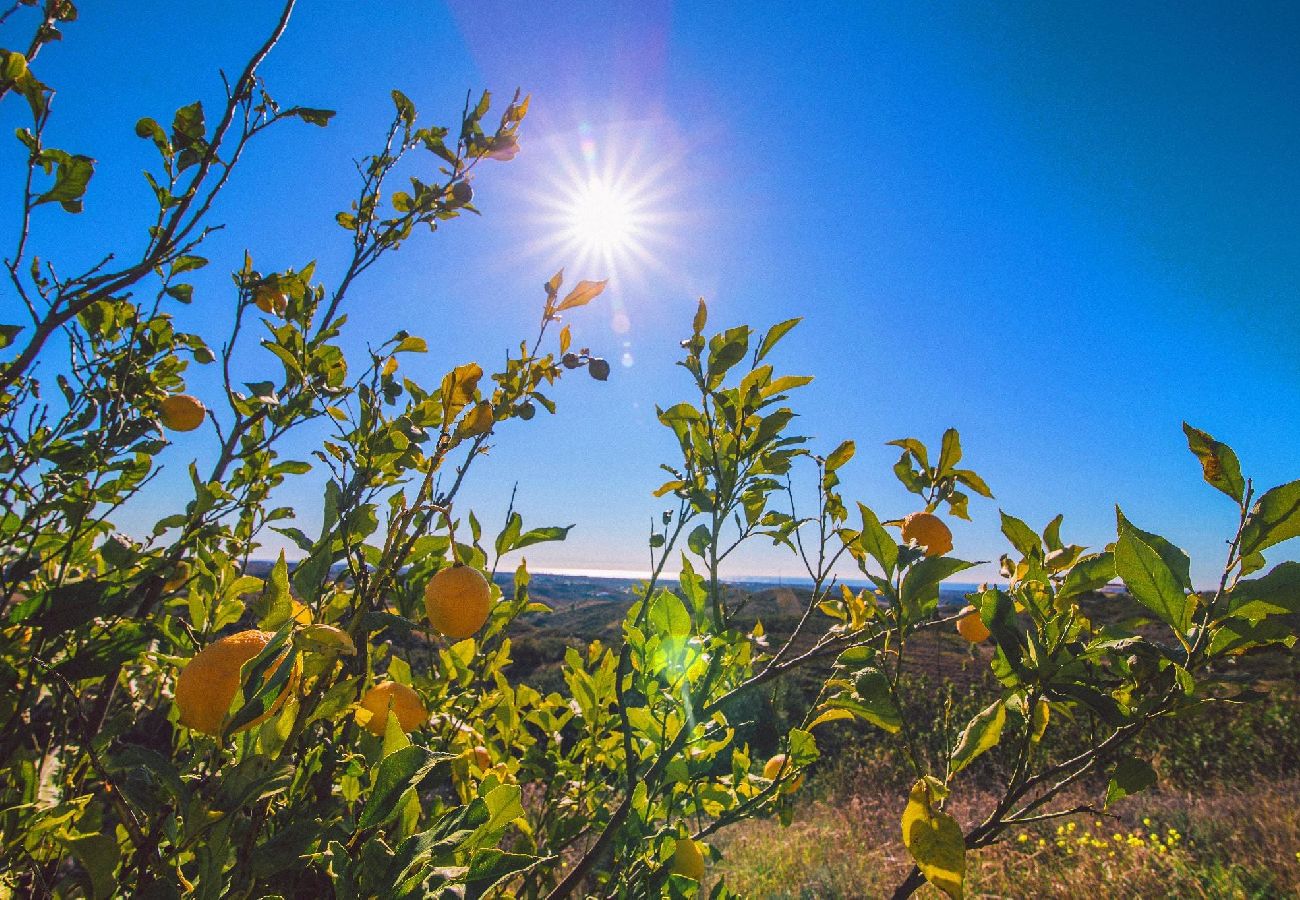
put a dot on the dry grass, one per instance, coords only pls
(1223, 844)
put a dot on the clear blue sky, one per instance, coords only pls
(1062, 228)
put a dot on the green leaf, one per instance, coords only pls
(1276, 593)
(405, 108)
(949, 452)
(973, 481)
(503, 806)
(1273, 519)
(914, 447)
(981, 734)
(1088, 574)
(908, 476)
(261, 686)
(186, 263)
(1218, 462)
(774, 334)
(1151, 582)
(803, 748)
(877, 541)
(935, 841)
(873, 702)
(275, 596)
(920, 590)
(394, 776)
(1177, 561)
(1129, 777)
(99, 856)
(318, 117)
(699, 539)
(668, 615)
(70, 181)
(725, 350)
(1021, 536)
(8, 333)
(543, 535)
(490, 867)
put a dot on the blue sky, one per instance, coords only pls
(1061, 228)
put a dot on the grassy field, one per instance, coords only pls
(1222, 842)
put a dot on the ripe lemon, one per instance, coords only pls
(971, 626)
(181, 412)
(928, 532)
(688, 860)
(772, 768)
(208, 682)
(456, 600)
(402, 700)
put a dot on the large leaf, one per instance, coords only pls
(1088, 574)
(1273, 519)
(935, 841)
(584, 293)
(1129, 777)
(1151, 582)
(981, 734)
(920, 590)
(873, 702)
(1177, 561)
(1276, 593)
(877, 541)
(1021, 536)
(1218, 463)
(774, 334)
(397, 773)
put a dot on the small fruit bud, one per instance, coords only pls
(461, 193)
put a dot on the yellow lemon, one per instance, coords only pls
(457, 600)
(402, 700)
(688, 860)
(772, 768)
(208, 683)
(181, 412)
(927, 531)
(971, 626)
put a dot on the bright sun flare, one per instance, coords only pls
(606, 207)
(602, 220)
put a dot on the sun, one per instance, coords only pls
(603, 218)
(606, 206)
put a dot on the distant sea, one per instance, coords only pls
(740, 579)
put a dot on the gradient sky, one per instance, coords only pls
(1062, 228)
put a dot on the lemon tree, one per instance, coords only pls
(175, 722)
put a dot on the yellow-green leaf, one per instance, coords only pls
(981, 735)
(935, 841)
(830, 715)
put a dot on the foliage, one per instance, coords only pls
(592, 789)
